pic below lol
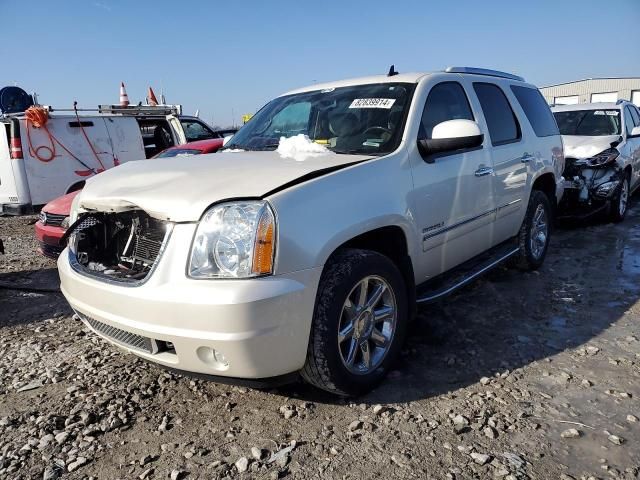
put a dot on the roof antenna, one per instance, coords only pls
(392, 71)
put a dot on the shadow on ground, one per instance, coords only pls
(509, 319)
(30, 296)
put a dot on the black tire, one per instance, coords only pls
(526, 259)
(615, 214)
(324, 367)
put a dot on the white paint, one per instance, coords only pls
(456, 129)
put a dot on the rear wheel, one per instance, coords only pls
(619, 203)
(358, 325)
(535, 231)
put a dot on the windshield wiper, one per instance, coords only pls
(262, 148)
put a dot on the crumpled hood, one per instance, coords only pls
(586, 147)
(179, 189)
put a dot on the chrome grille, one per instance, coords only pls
(129, 339)
(53, 219)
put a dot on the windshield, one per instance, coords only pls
(362, 119)
(175, 152)
(591, 123)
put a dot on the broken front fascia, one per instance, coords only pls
(592, 182)
(121, 247)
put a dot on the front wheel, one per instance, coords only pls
(618, 208)
(358, 325)
(535, 231)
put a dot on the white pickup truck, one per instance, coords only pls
(306, 246)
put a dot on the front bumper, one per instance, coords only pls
(49, 239)
(260, 326)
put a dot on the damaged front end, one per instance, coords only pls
(590, 184)
(121, 247)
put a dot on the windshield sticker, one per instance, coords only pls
(327, 90)
(386, 103)
(611, 113)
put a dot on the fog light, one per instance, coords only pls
(212, 357)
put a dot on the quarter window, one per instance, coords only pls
(501, 121)
(537, 111)
(446, 101)
(635, 115)
(628, 120)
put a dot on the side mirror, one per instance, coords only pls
(450, 136)
(225, 140)
(635, 132)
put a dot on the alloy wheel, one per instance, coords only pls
(367, 325)
(539, 232)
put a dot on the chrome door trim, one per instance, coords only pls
(456, 225)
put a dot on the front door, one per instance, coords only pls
(452, 197)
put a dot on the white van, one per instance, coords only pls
(36, 168)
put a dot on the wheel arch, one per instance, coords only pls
(546, 183)
(392, 242)
(75, 187)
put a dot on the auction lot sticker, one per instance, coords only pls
(373, 103)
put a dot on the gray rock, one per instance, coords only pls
(257, 453)
(460, 420)
(79, 462)
(616, 440)
(62, 437)
(177, 474)
(490, 432)
(571, 433)
(355, 425)
(481, 458)
(242, 464)
(379, 409)
(632, 418)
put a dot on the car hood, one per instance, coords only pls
(60, 205)
(585, 147)
(179, 189)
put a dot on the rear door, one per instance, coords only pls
(126, 139)
(510, 153)
(8, 191)
(52, 173)
(632, 145)
(452, 196)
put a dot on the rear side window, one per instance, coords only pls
(536, 110)
(501, 121)
(446, 101)
(635, 115)
(628, 120)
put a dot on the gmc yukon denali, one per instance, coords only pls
(305, 246)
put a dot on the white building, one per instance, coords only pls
(593, 90)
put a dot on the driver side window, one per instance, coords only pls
(446, 101)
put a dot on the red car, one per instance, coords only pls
(54, 216)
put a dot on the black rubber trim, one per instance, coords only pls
(16, 209)
(259, 383)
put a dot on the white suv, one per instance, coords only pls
(602, 152)
(305, 247)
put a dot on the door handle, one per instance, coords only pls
(526, 158)
(482, 171)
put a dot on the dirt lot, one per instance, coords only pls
(518, 376)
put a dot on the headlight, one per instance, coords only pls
(234, 240)
(603, 158)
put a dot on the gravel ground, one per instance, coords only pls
(517, 376)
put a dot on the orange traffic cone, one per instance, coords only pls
(124, 98)
(151, 98)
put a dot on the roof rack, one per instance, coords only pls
(484, 71)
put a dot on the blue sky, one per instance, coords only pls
(229, 56)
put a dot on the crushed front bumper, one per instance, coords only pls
(589, 194)
(248, 329)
